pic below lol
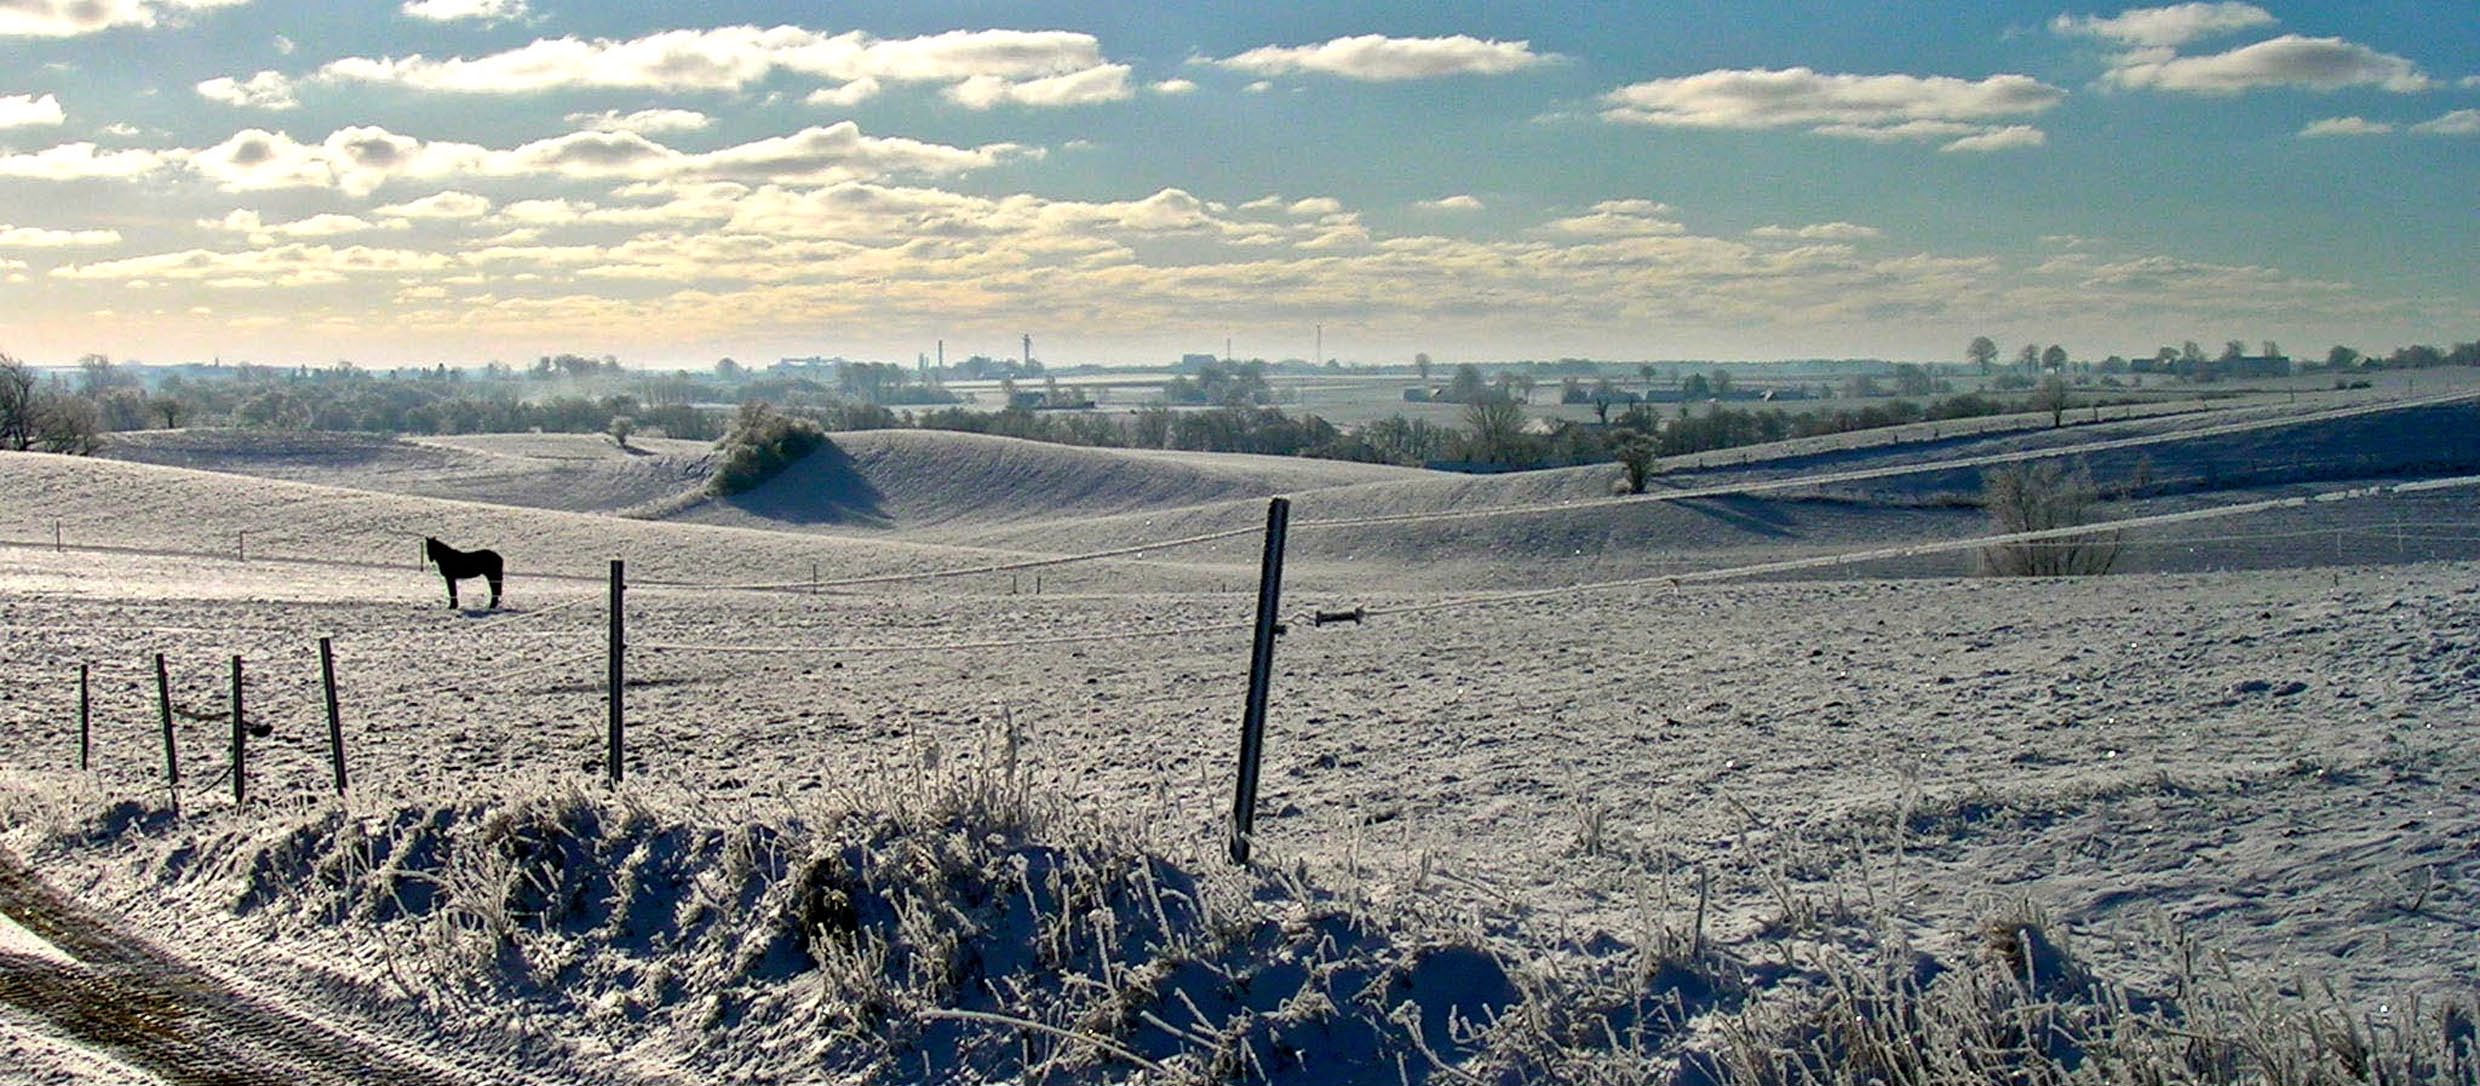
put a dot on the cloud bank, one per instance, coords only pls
(1375, 58)
(1883, 108)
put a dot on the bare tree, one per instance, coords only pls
(2043, 497)
(2051, 396)
(66, 424)
(1497, 425)
(17, 405)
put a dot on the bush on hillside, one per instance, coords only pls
(2037, 498)
(762, 442)
(1640, 456)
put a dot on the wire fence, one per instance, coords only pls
(416, 670)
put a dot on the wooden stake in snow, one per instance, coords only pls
(614, 679)
(86, 720)
(240, 773)
(172, 760)
(335, 721)
(1261, 673)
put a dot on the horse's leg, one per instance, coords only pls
(451, 592)
(495, 592)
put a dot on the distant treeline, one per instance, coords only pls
(574, 394)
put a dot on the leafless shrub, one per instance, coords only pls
(2039, 498)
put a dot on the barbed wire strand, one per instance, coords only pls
(1008, 643)
(969, 571)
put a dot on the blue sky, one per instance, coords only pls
(468, 180)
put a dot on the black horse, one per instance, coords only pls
(457, 565)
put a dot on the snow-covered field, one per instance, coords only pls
(2254, 747)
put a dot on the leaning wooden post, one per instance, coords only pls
(240, 770)
(172, 760)
(1261, 674)
(335, 721)
(86, 719)
(616, 677)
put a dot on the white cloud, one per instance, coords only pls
(2174, 25)
(2461, 122)
(81, 161)
(1457, 202)
(293, 264)
(644, 121)
(1622, 218)
(2010, 138)
(1173, 86)
(261, 232)
(1830, 231)
(1874, 107)
(35, 237)
(70, 18)
(1107, 83)
(284, 45)
(438, 205)
(1259, 87)
(846, 96)
(360, 160)
(1377, 58)
(1316, 205)
(981, 68)
(441, 11)
(2345, 126)
(27, 111)
(266, 90)
(2287, 61)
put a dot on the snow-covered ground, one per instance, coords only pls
(2258, 742)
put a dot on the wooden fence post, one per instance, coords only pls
(172, 760)
(86, 719)
(616, 676)
(1261, 673)
(240, 769)
(335, 722)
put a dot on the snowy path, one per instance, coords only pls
(77, 974)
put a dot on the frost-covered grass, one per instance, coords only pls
(951, 926)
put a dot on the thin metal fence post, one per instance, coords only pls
(240, 768)
(172, 760)
(1261, 674)
(615, 677)
(335, 720)
(86, 719)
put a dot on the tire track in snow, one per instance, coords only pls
(112, 991)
